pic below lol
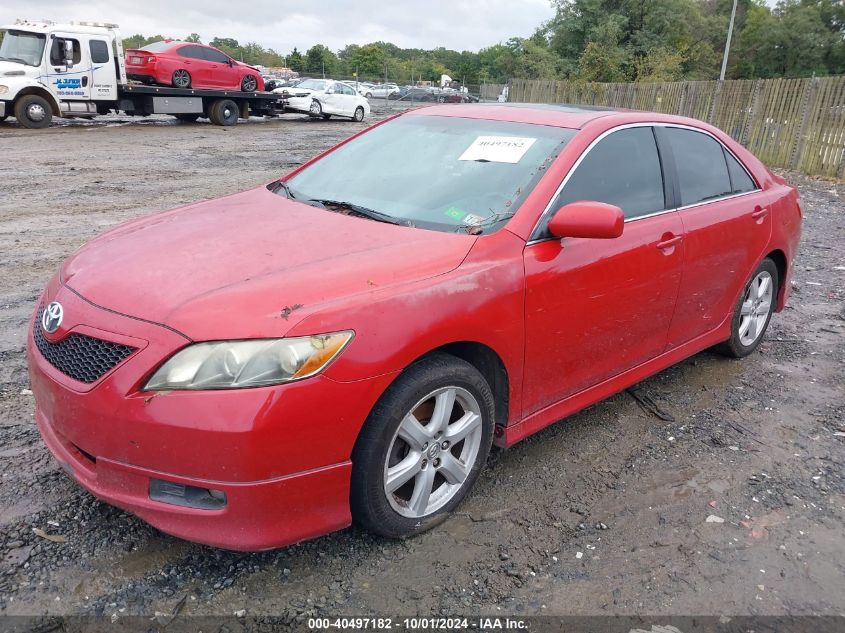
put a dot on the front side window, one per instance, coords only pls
(442, 173)
(622, 169)
(57, 51)
(22, 47)
(700, 165)
(216, 56)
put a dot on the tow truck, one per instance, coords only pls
(77, 70)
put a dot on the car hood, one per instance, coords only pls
(17, 69)
(251, 264)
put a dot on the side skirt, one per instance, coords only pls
(583, 399)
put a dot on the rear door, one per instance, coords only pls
(103, 69)
(597, 307)
(727, 222)
(192, 59)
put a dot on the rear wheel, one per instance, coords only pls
(249, 83)
(753, 311)
(359, 114)
(224, 112)
(422, 447)
(33, 112)
(181, 78)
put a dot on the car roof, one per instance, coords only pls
(557, 115)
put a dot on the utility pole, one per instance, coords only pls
(728, 43)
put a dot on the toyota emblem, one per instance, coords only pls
(52, 317)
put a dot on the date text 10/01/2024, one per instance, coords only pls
(417, 623)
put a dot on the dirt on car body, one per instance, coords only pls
(604, 513)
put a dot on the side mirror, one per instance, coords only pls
(68, 50)
(587, 219)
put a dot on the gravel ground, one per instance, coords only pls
(558, 524)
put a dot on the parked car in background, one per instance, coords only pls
(371, 324)
(414, 93)
(382, 91)
(325, 98)
(189, 65)
(271, 82)
(364, 88)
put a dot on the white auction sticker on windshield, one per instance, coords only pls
(498, 149)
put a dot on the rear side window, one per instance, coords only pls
(623, 169)
(192, 52)
(741, 182)
(99, 51)
(700, 164)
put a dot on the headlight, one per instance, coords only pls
(233, 364)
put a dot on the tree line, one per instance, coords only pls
(600, 40)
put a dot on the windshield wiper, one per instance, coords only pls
(372, 214)
(477, 228)
(283, 186)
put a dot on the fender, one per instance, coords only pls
(20, 86)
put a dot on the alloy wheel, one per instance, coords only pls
(249, 83)
(756, 305)
(181, 79)
(433, 452)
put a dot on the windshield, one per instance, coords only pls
(442, 173)
(312, 84)
(21, 46)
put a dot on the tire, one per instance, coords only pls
(33, 112)
(249, 83)
(753, 311)
(3, 118)
(316, 108)
(187, 118)
(369, 95)
(327, 116)
(359, 114)
(181, 78)
(441, 99)
(420, 389)
(224, 112)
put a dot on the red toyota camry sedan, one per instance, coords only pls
(189, 65)
(346, 344)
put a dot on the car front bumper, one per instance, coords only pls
(281, 455)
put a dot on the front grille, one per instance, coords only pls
(83, 358)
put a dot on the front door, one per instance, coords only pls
(69, 83)
(595, 308)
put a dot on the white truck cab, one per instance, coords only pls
(49, 69)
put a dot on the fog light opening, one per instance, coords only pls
(186, 496)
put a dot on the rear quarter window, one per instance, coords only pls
(741, 182)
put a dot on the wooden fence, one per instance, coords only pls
(795, 124)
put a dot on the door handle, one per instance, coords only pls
(759, 214)
(669, 241)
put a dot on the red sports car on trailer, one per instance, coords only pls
(189, 65)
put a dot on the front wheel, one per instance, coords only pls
(316, 108)
(422, 447)
(753, 311)
(359, 114)
(249, 83)
(33, 112)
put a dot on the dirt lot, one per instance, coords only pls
(605, 513)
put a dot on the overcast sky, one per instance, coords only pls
(282, 24)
